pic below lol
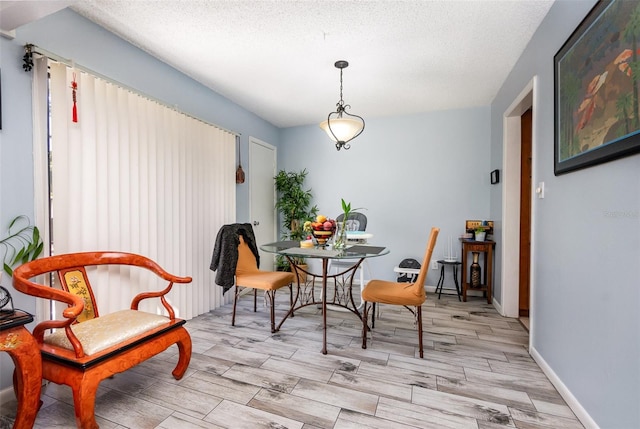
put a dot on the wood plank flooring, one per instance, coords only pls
(476, 374)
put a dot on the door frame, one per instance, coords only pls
(528, 98)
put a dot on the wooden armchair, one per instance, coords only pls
(85, 348)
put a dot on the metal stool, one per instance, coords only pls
(454, 266)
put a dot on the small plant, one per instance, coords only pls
(21, 245)
(346, 209)
(480, 228)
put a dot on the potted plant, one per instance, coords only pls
(480, 233)
(294, 204)
(22, 244)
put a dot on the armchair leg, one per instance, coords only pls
(419, 313)
(255, 300)
(184, 353)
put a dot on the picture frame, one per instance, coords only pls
(596, 101)
(495, 177)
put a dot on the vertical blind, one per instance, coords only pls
(136, 176)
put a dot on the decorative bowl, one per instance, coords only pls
(322, 236)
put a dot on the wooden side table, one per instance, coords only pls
(16, 340)
(485, 247)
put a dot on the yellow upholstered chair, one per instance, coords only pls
(248, 275)
(410, 295)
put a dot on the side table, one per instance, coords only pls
(454, 265)
(16, 340)
(485, 247)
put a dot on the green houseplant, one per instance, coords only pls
(294, 205)
(480, 233)
(22, 244)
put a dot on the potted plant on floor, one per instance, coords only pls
(294, 205)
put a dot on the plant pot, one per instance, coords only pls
(480, 236)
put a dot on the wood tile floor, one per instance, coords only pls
(476, 374)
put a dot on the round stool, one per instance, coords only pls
(454, 266)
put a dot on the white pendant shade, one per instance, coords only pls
(344, 128)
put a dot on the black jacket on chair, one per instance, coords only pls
(225, 252)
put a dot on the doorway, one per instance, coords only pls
(514, 211)
(525, 216)
(262, 196)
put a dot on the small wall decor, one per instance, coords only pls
(495, 177)
(597, 107)
(239, 170)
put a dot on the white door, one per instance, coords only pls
(262, 198)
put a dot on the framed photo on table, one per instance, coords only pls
(597, 106)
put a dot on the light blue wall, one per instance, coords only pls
(586, 323)
(410, 173)
(70, 36)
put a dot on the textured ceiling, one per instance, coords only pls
(275, 58)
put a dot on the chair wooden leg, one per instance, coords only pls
(84, 399)
(419, 313)
(235, 301)
(364, 324)
(184, 353)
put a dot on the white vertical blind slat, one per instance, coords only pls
(136, 176)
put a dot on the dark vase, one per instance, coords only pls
(475, 270)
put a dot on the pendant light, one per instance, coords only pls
(341, 126)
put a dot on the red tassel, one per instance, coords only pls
(74, 88)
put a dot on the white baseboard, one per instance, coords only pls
(7, 395)
(498, 306)
(566, 394)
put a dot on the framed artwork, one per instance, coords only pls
(596, 95)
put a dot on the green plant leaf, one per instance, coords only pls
(22, 243)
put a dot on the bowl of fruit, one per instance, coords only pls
(322, 229)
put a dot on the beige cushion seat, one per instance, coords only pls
(107, 331)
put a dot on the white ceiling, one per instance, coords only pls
(276, 57)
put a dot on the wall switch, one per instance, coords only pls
(434, 265)
(540, 190)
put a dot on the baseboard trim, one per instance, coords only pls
(7, 395)
(566, 394)
(498, 307)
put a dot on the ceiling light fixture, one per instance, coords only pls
(340, 125)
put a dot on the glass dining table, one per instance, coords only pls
(335, 289)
